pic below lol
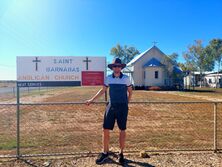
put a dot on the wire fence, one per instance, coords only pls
(11, 90)
(37, 129)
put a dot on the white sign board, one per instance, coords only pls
(60, 70)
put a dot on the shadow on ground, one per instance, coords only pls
(128, 163)
(113, 159)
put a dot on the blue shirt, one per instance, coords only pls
(118, 87)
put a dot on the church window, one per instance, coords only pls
(156, 74)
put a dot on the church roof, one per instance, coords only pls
(177, 69)
(135, 59)
(153, 63)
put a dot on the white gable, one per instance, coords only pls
(140, 56)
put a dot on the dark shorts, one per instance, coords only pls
(116, 111)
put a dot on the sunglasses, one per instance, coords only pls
(117, 66)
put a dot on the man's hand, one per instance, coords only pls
(130, 91)
(98, 94)
(88, 102)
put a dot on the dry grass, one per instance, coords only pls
(76, 128)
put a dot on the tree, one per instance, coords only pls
(198, 58)
(184, 66)
(125, 53)
(170, 62)
(173, 58)
(189, 64)
(215, 49)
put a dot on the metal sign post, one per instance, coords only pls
(215, 127)
(106, 96)
(18, 122)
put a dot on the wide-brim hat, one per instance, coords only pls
(116, 61)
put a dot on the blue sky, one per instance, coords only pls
(92, 27)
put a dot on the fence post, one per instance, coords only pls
(18, 123)
(215, 127)
(13, 90)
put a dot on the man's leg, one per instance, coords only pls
(108, 124)
(122, 121)
(122, 137)
(104, 155)
(106, 140)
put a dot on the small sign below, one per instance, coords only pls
(92, 78)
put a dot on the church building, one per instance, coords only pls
(151, 69)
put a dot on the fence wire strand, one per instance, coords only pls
(67, 128)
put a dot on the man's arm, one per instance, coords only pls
(130, 92)
(97, 95)
(129, 88)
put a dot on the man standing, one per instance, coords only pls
(117, 109)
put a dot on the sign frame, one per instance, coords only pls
(39, 75)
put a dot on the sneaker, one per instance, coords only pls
(121, 158)
(101, 158)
